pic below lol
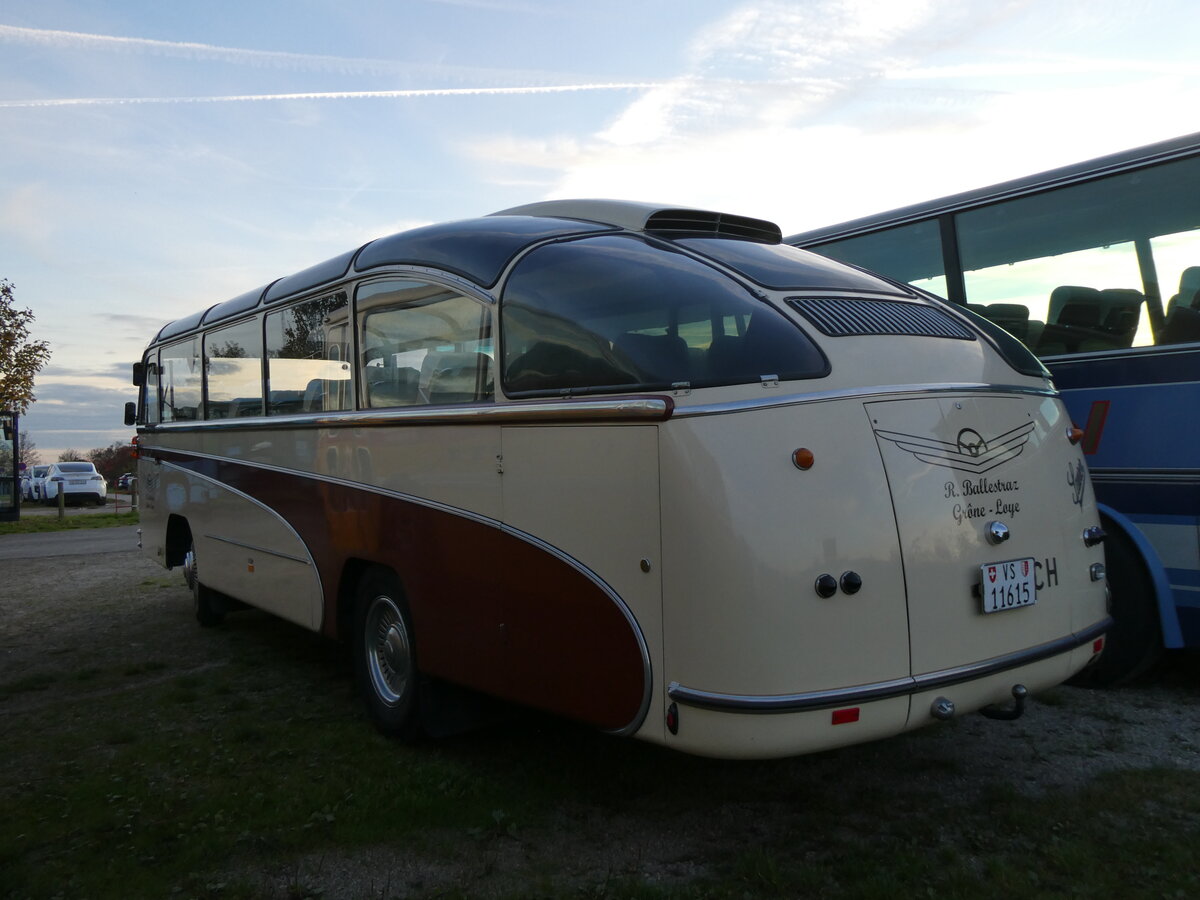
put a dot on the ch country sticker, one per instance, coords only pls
(969, 452)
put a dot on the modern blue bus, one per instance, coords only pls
(1096, 268)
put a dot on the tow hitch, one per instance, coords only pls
(1007, 713)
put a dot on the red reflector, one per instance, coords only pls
(1097, 645)
(842, 716)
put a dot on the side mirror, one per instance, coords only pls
(139, 375)
(130, 413)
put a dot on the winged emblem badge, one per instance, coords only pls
(969, 452)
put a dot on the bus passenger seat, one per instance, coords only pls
(1189, 290)
(455, 377)
(1182, 326)
(390, 386)
(1079, 315)
(1012, 317)
(725, 355)
(314, 395)
(1070, 295)
(657, 357)
(1120, 310)
(1183, 311)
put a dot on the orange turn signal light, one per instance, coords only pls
(1074, 434)
(802, 458)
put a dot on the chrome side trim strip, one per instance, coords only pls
(1173, 476)
(882, 690)
(654, 407)
(258, 549)
(885, 390)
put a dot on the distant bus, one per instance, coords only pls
(1096, 268)
(651, 469)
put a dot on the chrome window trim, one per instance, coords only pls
(712, 409)
(882, 690)
(654, 407)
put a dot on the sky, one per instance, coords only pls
(158, 157)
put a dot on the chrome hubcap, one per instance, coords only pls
(389, 650)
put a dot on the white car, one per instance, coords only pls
(31, 483)
(75, 480)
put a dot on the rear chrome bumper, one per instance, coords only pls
(881, 690)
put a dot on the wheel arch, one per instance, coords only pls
(178, 539)
(1164, 599)
(352, 574)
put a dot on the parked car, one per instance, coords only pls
(31, 483)
(126, 481)
(77, 481)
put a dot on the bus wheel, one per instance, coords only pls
(385, 662)
(207, 613)
(1134, 643)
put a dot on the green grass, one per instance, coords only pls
(37, 524)
(219, 771)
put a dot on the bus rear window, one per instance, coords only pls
(614, 313)
(786, 268)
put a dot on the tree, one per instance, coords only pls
(71, 455)
(114, 460)
(20, 358)
(29, 456)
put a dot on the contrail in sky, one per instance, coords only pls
(188, 50)
(332, 95)
(269, 59)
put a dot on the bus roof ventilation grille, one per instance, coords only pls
(698, 221)
(841, 317)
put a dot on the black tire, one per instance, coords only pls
(385, 657)
(208, 613)
(1134, 644)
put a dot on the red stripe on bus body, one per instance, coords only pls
(491, 611)
(1092, 432)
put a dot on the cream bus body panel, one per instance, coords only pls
(593, 493)
(245, 549)
(957, 463)
(745, 535)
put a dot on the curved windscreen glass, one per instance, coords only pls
(615, 313)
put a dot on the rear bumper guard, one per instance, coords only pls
(882, 690)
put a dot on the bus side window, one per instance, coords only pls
(233, 371)
(422, 344)
(307, 346)
(179, 386)
(150, 399)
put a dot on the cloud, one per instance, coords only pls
(73, 415)
(822, 111)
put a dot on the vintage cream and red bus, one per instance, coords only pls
(648, 468)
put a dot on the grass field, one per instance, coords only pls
(165, 760)
(32, 524)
